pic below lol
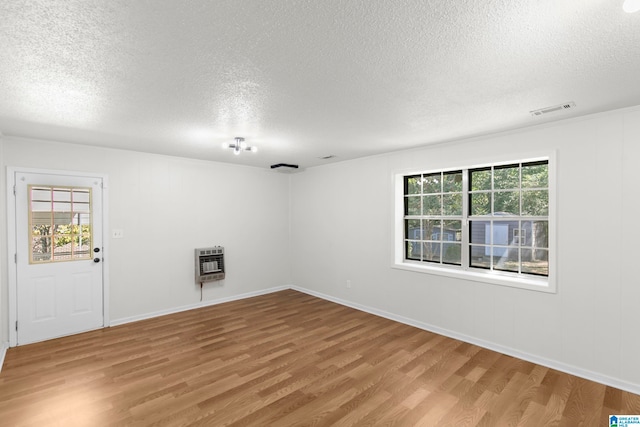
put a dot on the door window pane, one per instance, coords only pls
(41, 248)
(59, 223)
(81, 248)
(81, 201)
(61, 248)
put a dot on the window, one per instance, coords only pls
(59, 223)
(491, 221)
(433, 217)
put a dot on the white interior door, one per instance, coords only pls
(59, 249)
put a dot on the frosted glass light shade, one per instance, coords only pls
(631, 6)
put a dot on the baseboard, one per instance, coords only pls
(3, 352)
(201, 304)
(550, 363)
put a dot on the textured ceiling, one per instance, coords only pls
(304, 79)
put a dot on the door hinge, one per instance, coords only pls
(15, 258)
(14, 190)
(16, 325)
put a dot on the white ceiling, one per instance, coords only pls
(302, 79)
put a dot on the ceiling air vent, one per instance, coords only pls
(554, 109)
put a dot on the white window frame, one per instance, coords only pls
(531, 282)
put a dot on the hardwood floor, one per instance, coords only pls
(285, 359)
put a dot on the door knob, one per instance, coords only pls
(96, 250)
(96, 260)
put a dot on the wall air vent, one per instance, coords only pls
(209, 264)
(554, 109)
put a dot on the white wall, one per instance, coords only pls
(341, 226)
(342, 230)
(4, 333)
(167, 207)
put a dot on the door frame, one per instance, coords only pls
(12, 241)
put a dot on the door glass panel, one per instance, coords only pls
(40, 248)
(61, 208)
(59, 223)
(81, 248)
(61, 248)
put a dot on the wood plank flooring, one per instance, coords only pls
(288, 359)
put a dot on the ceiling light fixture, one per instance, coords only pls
(631, 6)
(240, 145)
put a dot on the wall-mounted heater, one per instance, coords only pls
(209, 264)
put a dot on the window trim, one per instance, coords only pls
(536, 283)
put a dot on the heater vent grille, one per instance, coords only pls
(209, 264)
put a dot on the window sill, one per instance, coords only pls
(491, 277)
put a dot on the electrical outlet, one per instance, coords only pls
(348, 283)
(117, 233)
